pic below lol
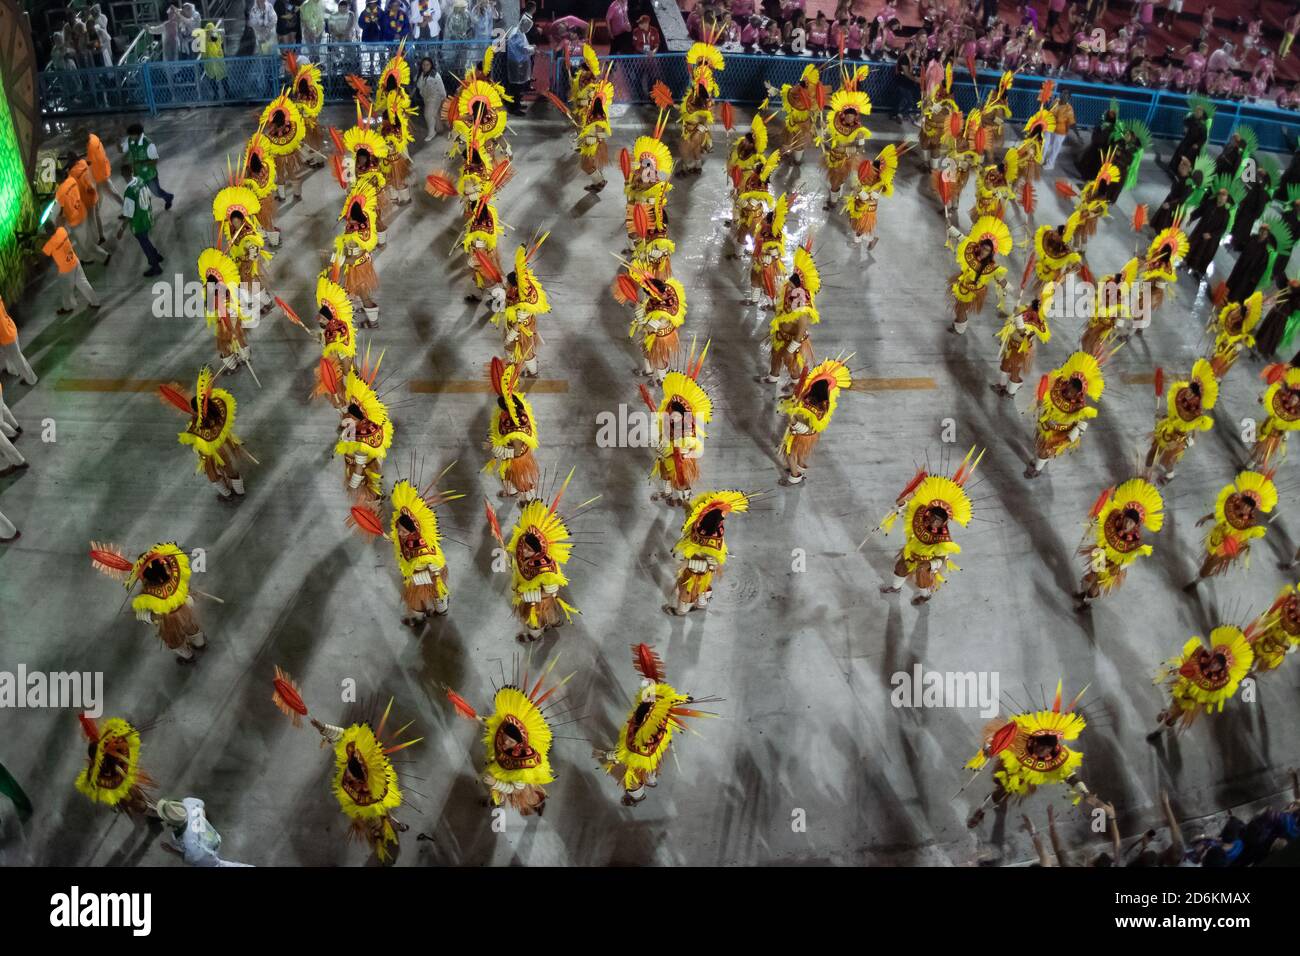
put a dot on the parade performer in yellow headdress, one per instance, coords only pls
(593, 135)
(1112, 318)
(338, 339)
(258, 173)
(1030, 751)
(647, 170)
(284, 127)
(476, 113)
(1163, 257)
(977, 264)
(754, 203)
(364, 170)
(766, 261)
(845, 136)
(112, 775)
(695, 112)
(1019, 334)
(225, 315)
(802, 102)
(1030, 149)
(307, 91)
(962, 146)
(875, 179)
(995, 112)
(1233, 330)
(1117, 521)
(211, 433)
(1276, 632)
(657, 317)
(1202, 678)
(235, 210)
(680, 417)
(582, 82)
(512, 435)
(163, 573)
(993, 188)
(789, 336)
(1281, 401)
(1053, 257)
(809, 409)
(364, 782)
(353, 259)
(928, 506)
(747, 151)
(395, 128)
(652, 250)
(1063, 410)
(702, 548)
(525, 300)
(539, 547)
(517, 738)
(417, 546)
(937, 110)
(658, 711)
(1188, 407)
(366, 434)
(1237, 518)
(482, 231)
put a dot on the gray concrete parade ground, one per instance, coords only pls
(810, 762)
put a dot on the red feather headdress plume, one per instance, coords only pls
(1003, 738)
(1065, 189)
(1045, 92)
(289, 313)
(493, 524)
(1029, 270)
(912, 485)
(625, 162)
(439, 185)
(1139, 217)
(1274, 372)
(108, 559)
(647, 398)
(1158, 381)
(175, 396)
(1043, 385)
(1220, 294)
(1100, 503)
(557, 103)
(728, 117)
(647, 663)
(461, 705)
(626, 291)
(365, 520)
(89, 728)
(286, 696)
(1028, 198)
(661, 95)
(955, 123)
(329, 378)
(641, 220)
(942, 186)
(487, 267)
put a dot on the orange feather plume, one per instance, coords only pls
(365, 521)
(487, 266)
(942, 186)
(728, 117)
(1273, 373)
(1045, 92)
(1139, 217)
(289, 314)
(912, 485)
(647, 663)
(1065, 189)
(461, 705)
(1220, 295)
(107, 559)
(1028, 199)
(1003, 738)
(625, 162)
(493, 524)
(89, 728)
(641, 220)
(439, 185)
(625, 289)
(1158, 381)
(646, 397)
(328, 374)
(287, 697)
(1100, 502)
(661, 95)
(1042, 386)
(172, 395)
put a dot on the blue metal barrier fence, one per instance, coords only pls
(156, 86)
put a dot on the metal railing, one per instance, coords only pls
(153, 86)
(156, 86)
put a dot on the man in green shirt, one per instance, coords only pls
(137, 204)
(142, 154)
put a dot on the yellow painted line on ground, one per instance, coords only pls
(108, 384)
(898, 384)
(474, 386)
(1139, 378)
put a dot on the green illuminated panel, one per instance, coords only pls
(15, 202)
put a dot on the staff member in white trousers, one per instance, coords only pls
(10, 457)
(8, 533)
(72, 277)
(12, 359)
